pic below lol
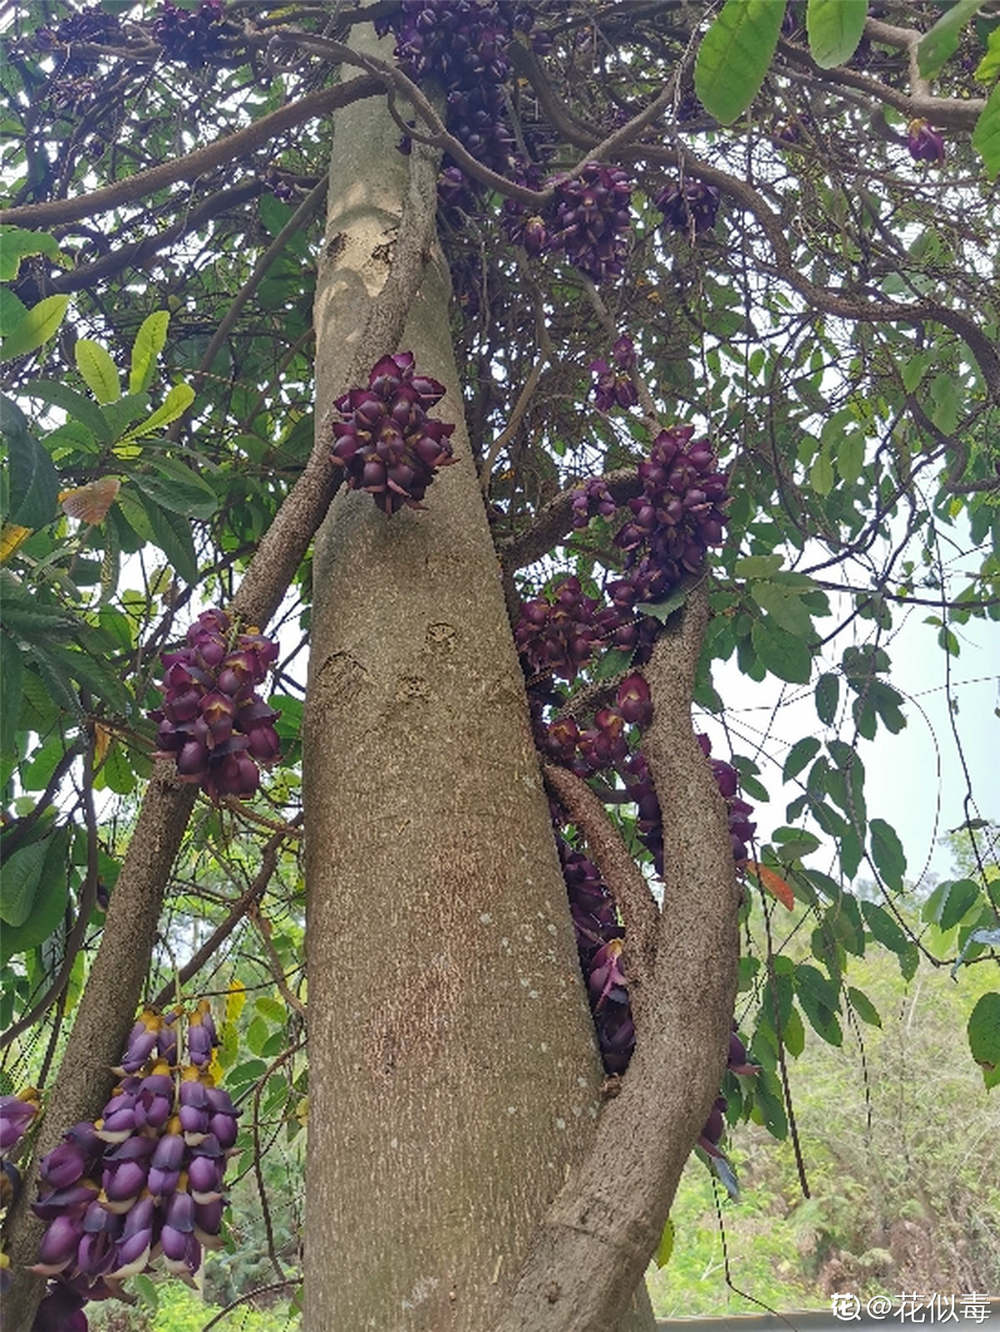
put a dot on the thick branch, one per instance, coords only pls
(842, 304)
(602, 1228)
(135, 256)
(555, 521)
(194, 164)
(640, 914)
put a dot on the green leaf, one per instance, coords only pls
(49, 904)
(798, 756)
(666, 1245)
(271, 1008)
(54, 392)
(781, 653)
(946, 395)
(834, 28)
(827, 698)
(21, 875)
(173, 485)
(961, 897)
(984, 1036)
(37, 326)
(884, 928)
(735, 54)
(941, 41)
(785, 606)
(145, 1288)
(986, 134)
(172, 534)
(989, 67)
(613, 663)
(257, 1035)
(819, 1000)
(98, 370)
(821, 476)
(11, 675)
(863, 1007)
(887, 853)
(758, 566)
(149, 342)
(175, 404)
(33, 481)
(662, 610)
(17, 244)
(851, 457)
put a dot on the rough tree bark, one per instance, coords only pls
(454, 1080)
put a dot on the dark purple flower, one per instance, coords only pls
(925, 144)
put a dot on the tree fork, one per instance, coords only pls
(599, 1234)
(454, 1078)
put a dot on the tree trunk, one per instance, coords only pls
(453, 1071)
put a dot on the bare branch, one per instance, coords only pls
(194, 164)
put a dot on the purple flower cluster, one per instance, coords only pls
(737, 1061)
(560, 636)
(591, 221)
(212, 720)
(679, 514)
(386, 441)
(91, 25)
(191, 36)
(593, 500)
(587, 219)
(688, 206)
(599, 942)
(614, 385)
(146, 1179)
(16, 1113)
(462, 44)
(741, 830)
(925, 144)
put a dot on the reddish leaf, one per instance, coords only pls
(90, 503)
(773, 882)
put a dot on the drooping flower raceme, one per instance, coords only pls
(212, 720)
(146, 1178)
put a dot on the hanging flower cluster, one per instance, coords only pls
(146, 1179)
(190, 35)
(212, 720)
(91, 26)
(587, 220)
(592, 500)
(591, 220)
(680, 513)
(614, 385)
(16, 1114)
(462, 45)
(599, 943)
(387, 443)
(737, 1061)
(738, 812)
(688, 206)
(560, 636)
